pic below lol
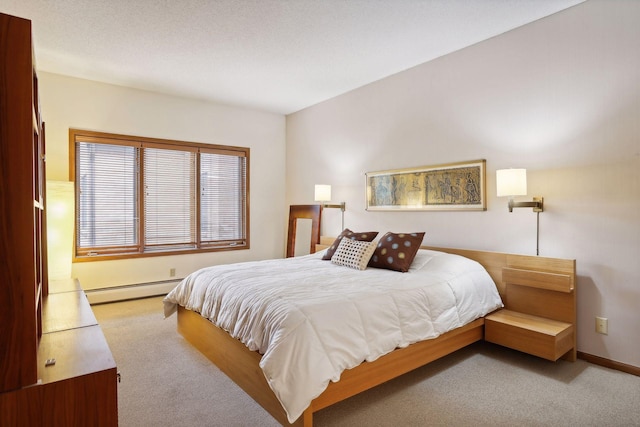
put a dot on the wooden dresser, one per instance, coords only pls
(56, 368)
(77, 376)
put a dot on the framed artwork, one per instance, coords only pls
(448, 187)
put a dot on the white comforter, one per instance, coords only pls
(312, 319)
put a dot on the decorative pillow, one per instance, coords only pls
(367, 236)
(353, 253)
(396, 251)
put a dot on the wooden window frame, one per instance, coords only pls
(128, 140)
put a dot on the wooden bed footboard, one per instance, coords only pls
(231, 357)
(242, 365)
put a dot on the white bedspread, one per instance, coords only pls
(312, 319)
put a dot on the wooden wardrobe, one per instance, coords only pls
(55, 365)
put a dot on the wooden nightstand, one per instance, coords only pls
(535, 335)
(539, 317)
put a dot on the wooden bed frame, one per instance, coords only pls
(242, 365)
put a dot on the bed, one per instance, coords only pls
(254, 366)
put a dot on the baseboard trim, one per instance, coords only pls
(608, 363)
(128, 292)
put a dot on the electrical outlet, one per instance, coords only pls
(602, 325)
(172, 272)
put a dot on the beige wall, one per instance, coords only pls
(560, 97)
(74, 103)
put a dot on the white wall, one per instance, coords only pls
(74, 103)
(560, 97)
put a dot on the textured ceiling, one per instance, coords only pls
(274, 55)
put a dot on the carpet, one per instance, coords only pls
(166, 382)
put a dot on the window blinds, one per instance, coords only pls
(107, 209)
(169, 181)
(222, 198)
(143, 197)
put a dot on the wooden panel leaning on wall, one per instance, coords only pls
(301, 212)
(242, 365)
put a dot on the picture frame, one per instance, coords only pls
(446, 187)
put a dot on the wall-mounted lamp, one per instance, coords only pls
(323, 194)
(513, 182)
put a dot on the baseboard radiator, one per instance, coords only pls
(128, 292)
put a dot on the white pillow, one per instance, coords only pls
(353, 253)
(422, 257)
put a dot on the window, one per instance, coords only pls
(140, 196)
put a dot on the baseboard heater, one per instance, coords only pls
(127, 292)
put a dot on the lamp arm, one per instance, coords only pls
(341, 206)
(536, 204)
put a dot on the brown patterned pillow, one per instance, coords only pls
(396, 251)
(366, 236)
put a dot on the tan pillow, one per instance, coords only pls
(396, 251)
(366, 236)
(353, 253)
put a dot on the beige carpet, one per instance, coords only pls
(165, 382)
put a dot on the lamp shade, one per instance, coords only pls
(323, 193)
(511, 182)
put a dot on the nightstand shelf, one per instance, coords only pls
(542, 337)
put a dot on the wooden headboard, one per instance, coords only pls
(546, 274)
(555, 275)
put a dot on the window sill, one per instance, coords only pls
(110, 257)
